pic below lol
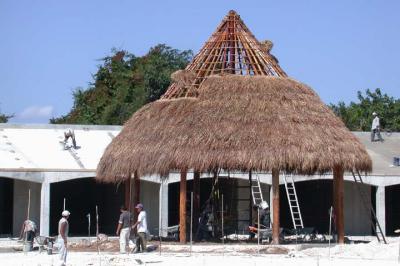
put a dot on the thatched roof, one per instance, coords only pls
(237, 123)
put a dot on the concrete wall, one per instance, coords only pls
(149, 196)
(357, 219)
(21, 192)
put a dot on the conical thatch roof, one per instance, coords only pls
(236, 123)
(231, 49)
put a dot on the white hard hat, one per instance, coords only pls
(264, 205)
(65, 213)
(374, 113)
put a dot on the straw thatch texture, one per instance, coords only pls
(236, 123)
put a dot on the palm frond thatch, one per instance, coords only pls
(236, 123)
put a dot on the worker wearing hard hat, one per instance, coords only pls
(376, 128)
(62, 239)
(265, 219)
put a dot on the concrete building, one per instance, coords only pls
(34, 158)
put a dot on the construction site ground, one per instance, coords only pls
(85, 252)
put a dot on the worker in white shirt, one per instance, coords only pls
(376, 128)
(141, 224)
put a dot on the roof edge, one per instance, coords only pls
(59, 126)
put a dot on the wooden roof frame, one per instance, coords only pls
(231, 49)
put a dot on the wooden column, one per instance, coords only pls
(182, 207)
(251, 200)
(196, 201)
(127, 201)
(136, 194)
(275, 208)
(338, 196)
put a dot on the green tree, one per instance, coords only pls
(4, 118)
(124, 83)
(358, 116)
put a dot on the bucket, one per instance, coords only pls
(28, 246)
(49, 247)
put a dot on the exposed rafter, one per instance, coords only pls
(231, 49)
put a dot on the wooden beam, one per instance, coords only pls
(136, 193)
(338, 190)
(182, 208)
(275, 206)
(196, 200)
(251, 200)
(127, 202)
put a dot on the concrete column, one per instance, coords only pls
(163, 217)
(380, 208)
(45, 209)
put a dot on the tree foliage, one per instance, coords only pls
(358, 116)
(123, 83)
(4, 118)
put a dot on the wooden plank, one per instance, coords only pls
(182, 208)
(338, 184)
(196, 200)
(127, 203)
(136, 193)
(275, 206)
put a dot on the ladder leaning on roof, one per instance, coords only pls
(293, 202)
(364, 197)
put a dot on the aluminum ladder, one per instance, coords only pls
(256, 192)
(293, 202)
(364, 197)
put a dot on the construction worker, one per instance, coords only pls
(28, 232)
(123, 229)
(265, 218)
(62, 239)
(141, 224)
(69, 134)
(376, 128)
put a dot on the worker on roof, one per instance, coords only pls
(376, 128)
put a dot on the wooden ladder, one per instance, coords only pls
(293, 202)
(256, 192)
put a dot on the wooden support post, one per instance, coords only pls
(251, 200)
(275, 204)
(338, 190)
(127, 202)
(136, 193)
(182, 208)
(196, 200)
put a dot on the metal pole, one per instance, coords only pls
(397, 231)
(330, 229)
(29, 204)
(88, 216)
(222, 219)
(64, 205)
(191, 221)
(258, 229)
(160, 231)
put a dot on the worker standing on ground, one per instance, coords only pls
(62, 239)
(123, 229)
(141, 224)
(376, 128)
(265, 219)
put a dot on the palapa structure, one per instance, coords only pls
(262, 121)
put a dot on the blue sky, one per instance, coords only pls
(48, 48)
